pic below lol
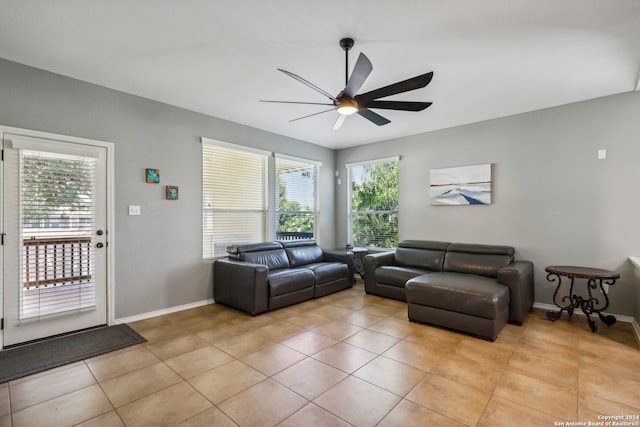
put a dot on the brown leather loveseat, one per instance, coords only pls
(469, 287)
(266, 276)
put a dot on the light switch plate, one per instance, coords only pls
(134, 210)
(602, 154)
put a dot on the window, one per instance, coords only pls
(234, 196)
(296, 213)
(252, 196)
(56, 219)
(373, 203)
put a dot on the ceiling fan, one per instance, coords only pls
(349, 102)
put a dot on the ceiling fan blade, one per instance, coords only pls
(359, 74)
(339, 122)
(311, 115)
(373, 117)
(399, 105)
(311, 85)
(404, 86)
(295, 102)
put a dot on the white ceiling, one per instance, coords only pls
(490, 58)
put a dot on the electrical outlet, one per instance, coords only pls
(134, 210)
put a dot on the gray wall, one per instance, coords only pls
(553, 200)
(158, 254)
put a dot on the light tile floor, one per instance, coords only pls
(345, 359)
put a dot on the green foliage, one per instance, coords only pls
(54, 188)
(289, 219)
(374, 206)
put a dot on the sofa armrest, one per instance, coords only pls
(373, 261)
(518, 276)
(340, 256)
(241, 285)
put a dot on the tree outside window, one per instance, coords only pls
(297, 195)
(373, 217)
(56, 191)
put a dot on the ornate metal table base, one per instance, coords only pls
(596, 278)
(358, 255)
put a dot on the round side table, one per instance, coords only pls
(595, 278)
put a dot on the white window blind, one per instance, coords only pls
(297, 186)
(373, 203)
(56, 193)
(234, 197)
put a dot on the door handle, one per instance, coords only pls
(100, 245)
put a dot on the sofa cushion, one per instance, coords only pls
(483, 260)
(302, 255)
(419, 258)
(397, 276)
(425, 254)
(289, 280)
(274, 259)
(328, 271)
(459, 292)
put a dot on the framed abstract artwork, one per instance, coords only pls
(172, 192)
(153, 176)
(465, 185)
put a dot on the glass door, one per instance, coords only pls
(54, 256)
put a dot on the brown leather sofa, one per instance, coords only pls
(261, 277)
(469, 287)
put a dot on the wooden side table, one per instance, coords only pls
(595, 278)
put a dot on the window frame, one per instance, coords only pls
(315, 211)
(270, 195)
(350, 212)
(209, 253)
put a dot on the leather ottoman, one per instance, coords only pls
(466, 302)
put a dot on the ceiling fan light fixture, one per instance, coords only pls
(349, 101)
(347, 107)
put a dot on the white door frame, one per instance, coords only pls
(110, 221)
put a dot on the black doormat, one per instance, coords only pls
(40, 356)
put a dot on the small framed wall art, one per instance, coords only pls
(172, 192)
(153, 176)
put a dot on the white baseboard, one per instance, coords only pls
(164, 311)
(619, 317)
